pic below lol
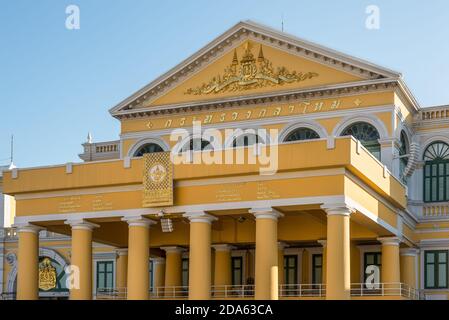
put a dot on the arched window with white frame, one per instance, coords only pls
(148, 148)
(301, 134)
(367, 134)
(436, 172)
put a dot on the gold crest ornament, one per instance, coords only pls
(157, 180)
(249, 73)
(47, 275)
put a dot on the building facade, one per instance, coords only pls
(263, 166)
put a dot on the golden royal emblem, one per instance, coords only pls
(157, 173)
(47, 275)
(157, 180)
(250, 74)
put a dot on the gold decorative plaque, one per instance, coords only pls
(249, 73)
(157, 180)
(47, 275)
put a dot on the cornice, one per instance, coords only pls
(339, 90)
(235, 36)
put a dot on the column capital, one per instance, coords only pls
(81, 224)
(159, 260)
(412, 252)
(222, 247)
(323, 242)
(138, 221)
(389, 241)
(199, 216)
(282, 245)
(27, 227)
(339, 209)
(121, 252)
(173, 249)
(266, 213)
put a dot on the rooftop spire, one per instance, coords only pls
(89, 138)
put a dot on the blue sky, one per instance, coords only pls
(57, 84)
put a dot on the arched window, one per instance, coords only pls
(197, 144)
(436, 172)
(404, 149)
(148, 148)
(247, 139)
(302, 134)
(367, 134)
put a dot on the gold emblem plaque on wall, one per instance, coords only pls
(47, 275)
(157, 180)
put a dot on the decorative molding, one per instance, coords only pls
(199, 216)
(412, 252)
(223, 247)
(341, 209)
(121, 252)
(81, 224)
(138, 221)
(173, 249)
(288, 96)
(241, 32)
(390, 241)
(266, 213)
(26, 227)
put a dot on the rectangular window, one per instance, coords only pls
(291, 269)
(237, 271)
(105, 274)
(436, 181)
(317, 268)
(372, 259)
(151, 275)
(435, 269)
(185, 272)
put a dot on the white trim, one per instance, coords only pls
(241, 254)
(94, 276)
(368, 118)
(309, 124)
(266, 213)
(431, 247)
(173, 249)
(223, 247)
(138, 221)
(250, 30)
(298, 252)
(150, 139)
(193, 182)
(81, 224)
(390, 241)
(429, 141)
(199, 216)
(265, 121)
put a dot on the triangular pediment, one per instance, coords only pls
(247, 60)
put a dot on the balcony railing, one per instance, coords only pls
(285, 291)
(434, 210)
(384, 290)
(234, 292)
(435, 113)
(101, 151)
(302, 290)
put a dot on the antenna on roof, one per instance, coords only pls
(12, 149)
(282, 23)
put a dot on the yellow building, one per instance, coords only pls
(300, 173)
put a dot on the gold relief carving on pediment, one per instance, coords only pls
(250, 73)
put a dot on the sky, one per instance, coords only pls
(57, 84)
